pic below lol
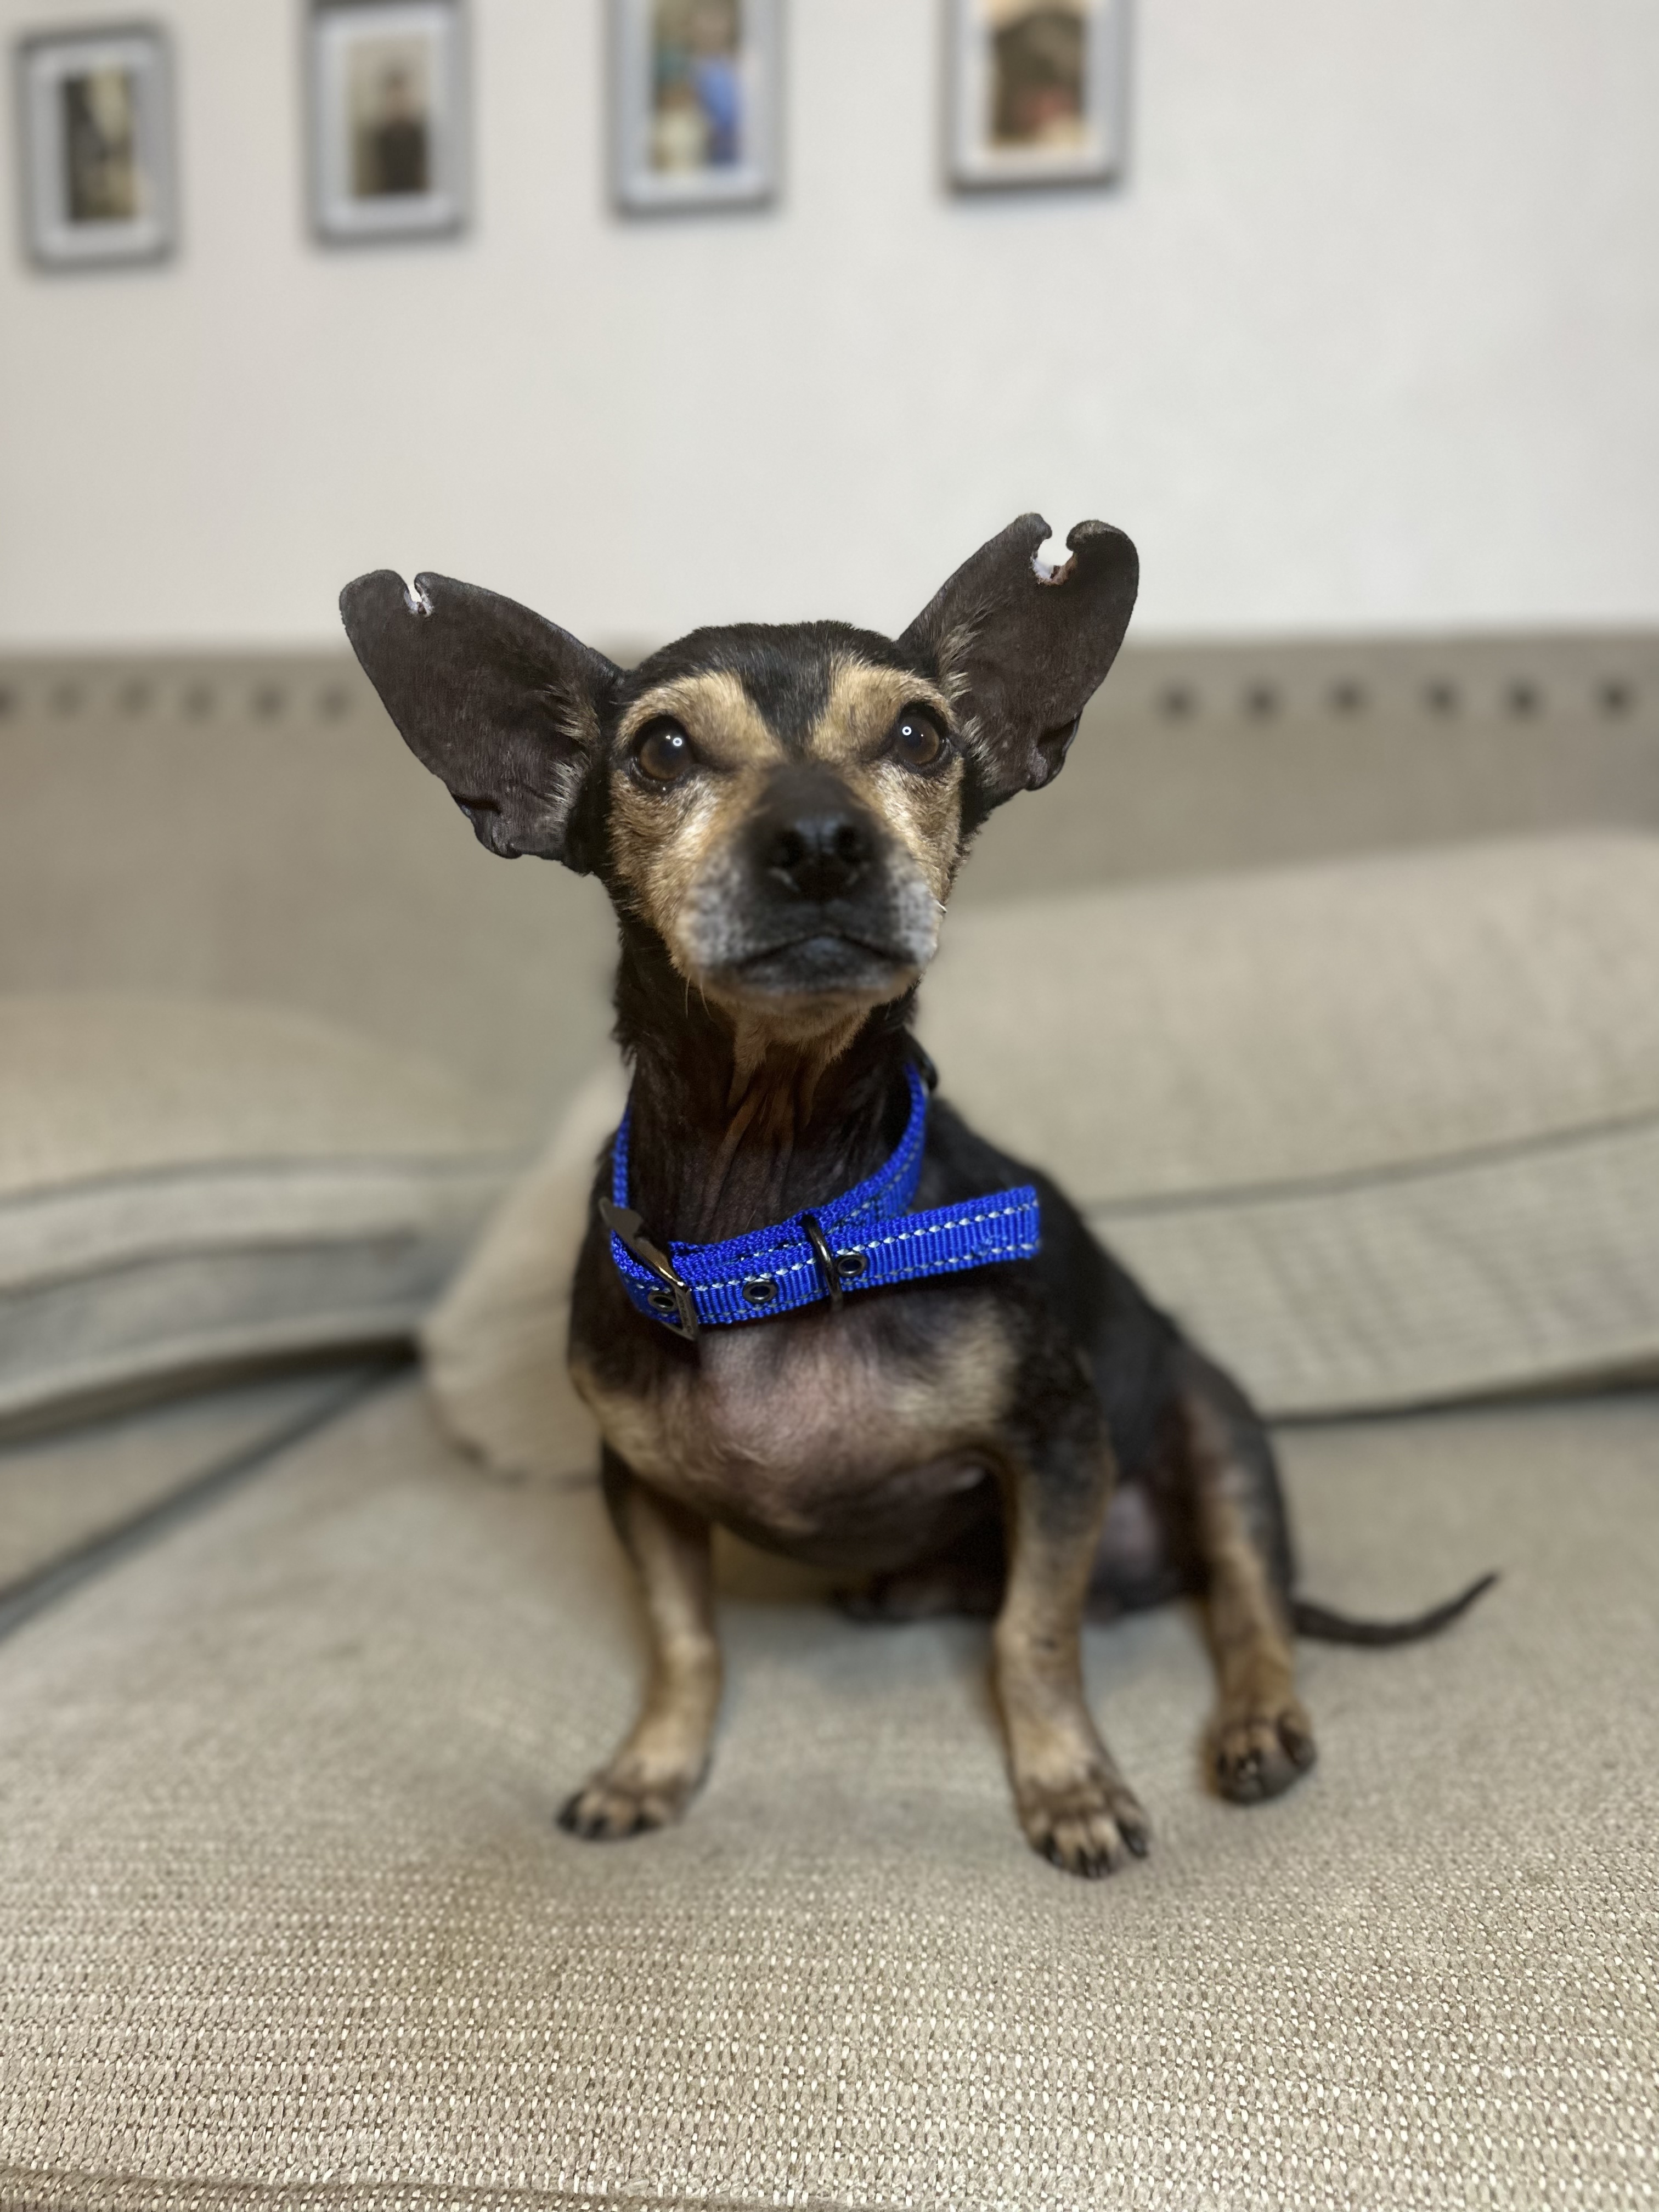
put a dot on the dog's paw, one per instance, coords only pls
(610, 1806)
(1091, 1826)
(1258, 1755)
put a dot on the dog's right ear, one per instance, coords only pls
(503, 705)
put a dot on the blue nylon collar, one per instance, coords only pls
(858, 1242)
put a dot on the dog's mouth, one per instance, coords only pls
(829, 960)
(742, 941)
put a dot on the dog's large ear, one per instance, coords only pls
(503, 705)
(1024, 648)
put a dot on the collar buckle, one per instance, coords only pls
(629, 1229)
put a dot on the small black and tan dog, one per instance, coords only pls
(778, 814)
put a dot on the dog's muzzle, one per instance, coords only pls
(813, 894)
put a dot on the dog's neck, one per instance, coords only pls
(729, 1129)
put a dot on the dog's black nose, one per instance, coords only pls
(814, 839)
(820, 855)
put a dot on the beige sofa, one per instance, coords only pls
(290, 1686)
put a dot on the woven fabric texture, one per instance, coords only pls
(284, 1918)
(185, 1185)
(66, 1488)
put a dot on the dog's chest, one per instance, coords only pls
(812, 1426)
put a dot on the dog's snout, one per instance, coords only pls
(814, 839)
(816, 893)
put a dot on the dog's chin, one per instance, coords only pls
(827, 962)
(827, 972)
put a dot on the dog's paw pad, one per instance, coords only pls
(1089, 1826)
(604, 1810)
(1259, 1754)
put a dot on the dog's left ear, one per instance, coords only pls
(504, 706)
(1023, 648)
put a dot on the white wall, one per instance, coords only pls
(1370, 341)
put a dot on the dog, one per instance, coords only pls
(812, 1305)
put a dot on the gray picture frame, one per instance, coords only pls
(1003, 53)
(401, 173)
(648, 175)
(96, 141)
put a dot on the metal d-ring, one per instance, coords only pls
(828, 1274)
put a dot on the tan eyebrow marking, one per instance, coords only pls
(865, 701)
(716, 714)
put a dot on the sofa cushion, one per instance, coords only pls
(1383, 1133)
(494, 1343)
(70, 1496)
(286, 1921)
(185, 1186)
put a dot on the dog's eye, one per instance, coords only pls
(664, 754)
(917, 739)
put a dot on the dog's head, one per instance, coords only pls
(785, 807)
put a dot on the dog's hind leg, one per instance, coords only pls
(1263, 1738)
(652, 1777)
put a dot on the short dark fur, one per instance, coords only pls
(951, 1444)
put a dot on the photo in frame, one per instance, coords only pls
(695, 99)
(388, 119)
(1037, 92)
(95, 133)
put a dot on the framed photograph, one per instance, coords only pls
(1037, 91)
(95, 111)
(388, 119)
(695, 103)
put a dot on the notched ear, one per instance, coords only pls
(1024, 648)
(503, 705)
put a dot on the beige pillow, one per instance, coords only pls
(1382, 1132)
(188, 1185)
(494, 1344)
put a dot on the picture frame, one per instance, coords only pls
(95, 118)
(389, 152)
(696, 93)
(1037, 92)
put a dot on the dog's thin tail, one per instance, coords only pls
(1321, 1626)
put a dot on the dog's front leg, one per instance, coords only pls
(1074, 1804)
(650, 1780)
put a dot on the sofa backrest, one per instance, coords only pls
(250, 826)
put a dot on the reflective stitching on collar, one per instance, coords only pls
(776, 1269)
